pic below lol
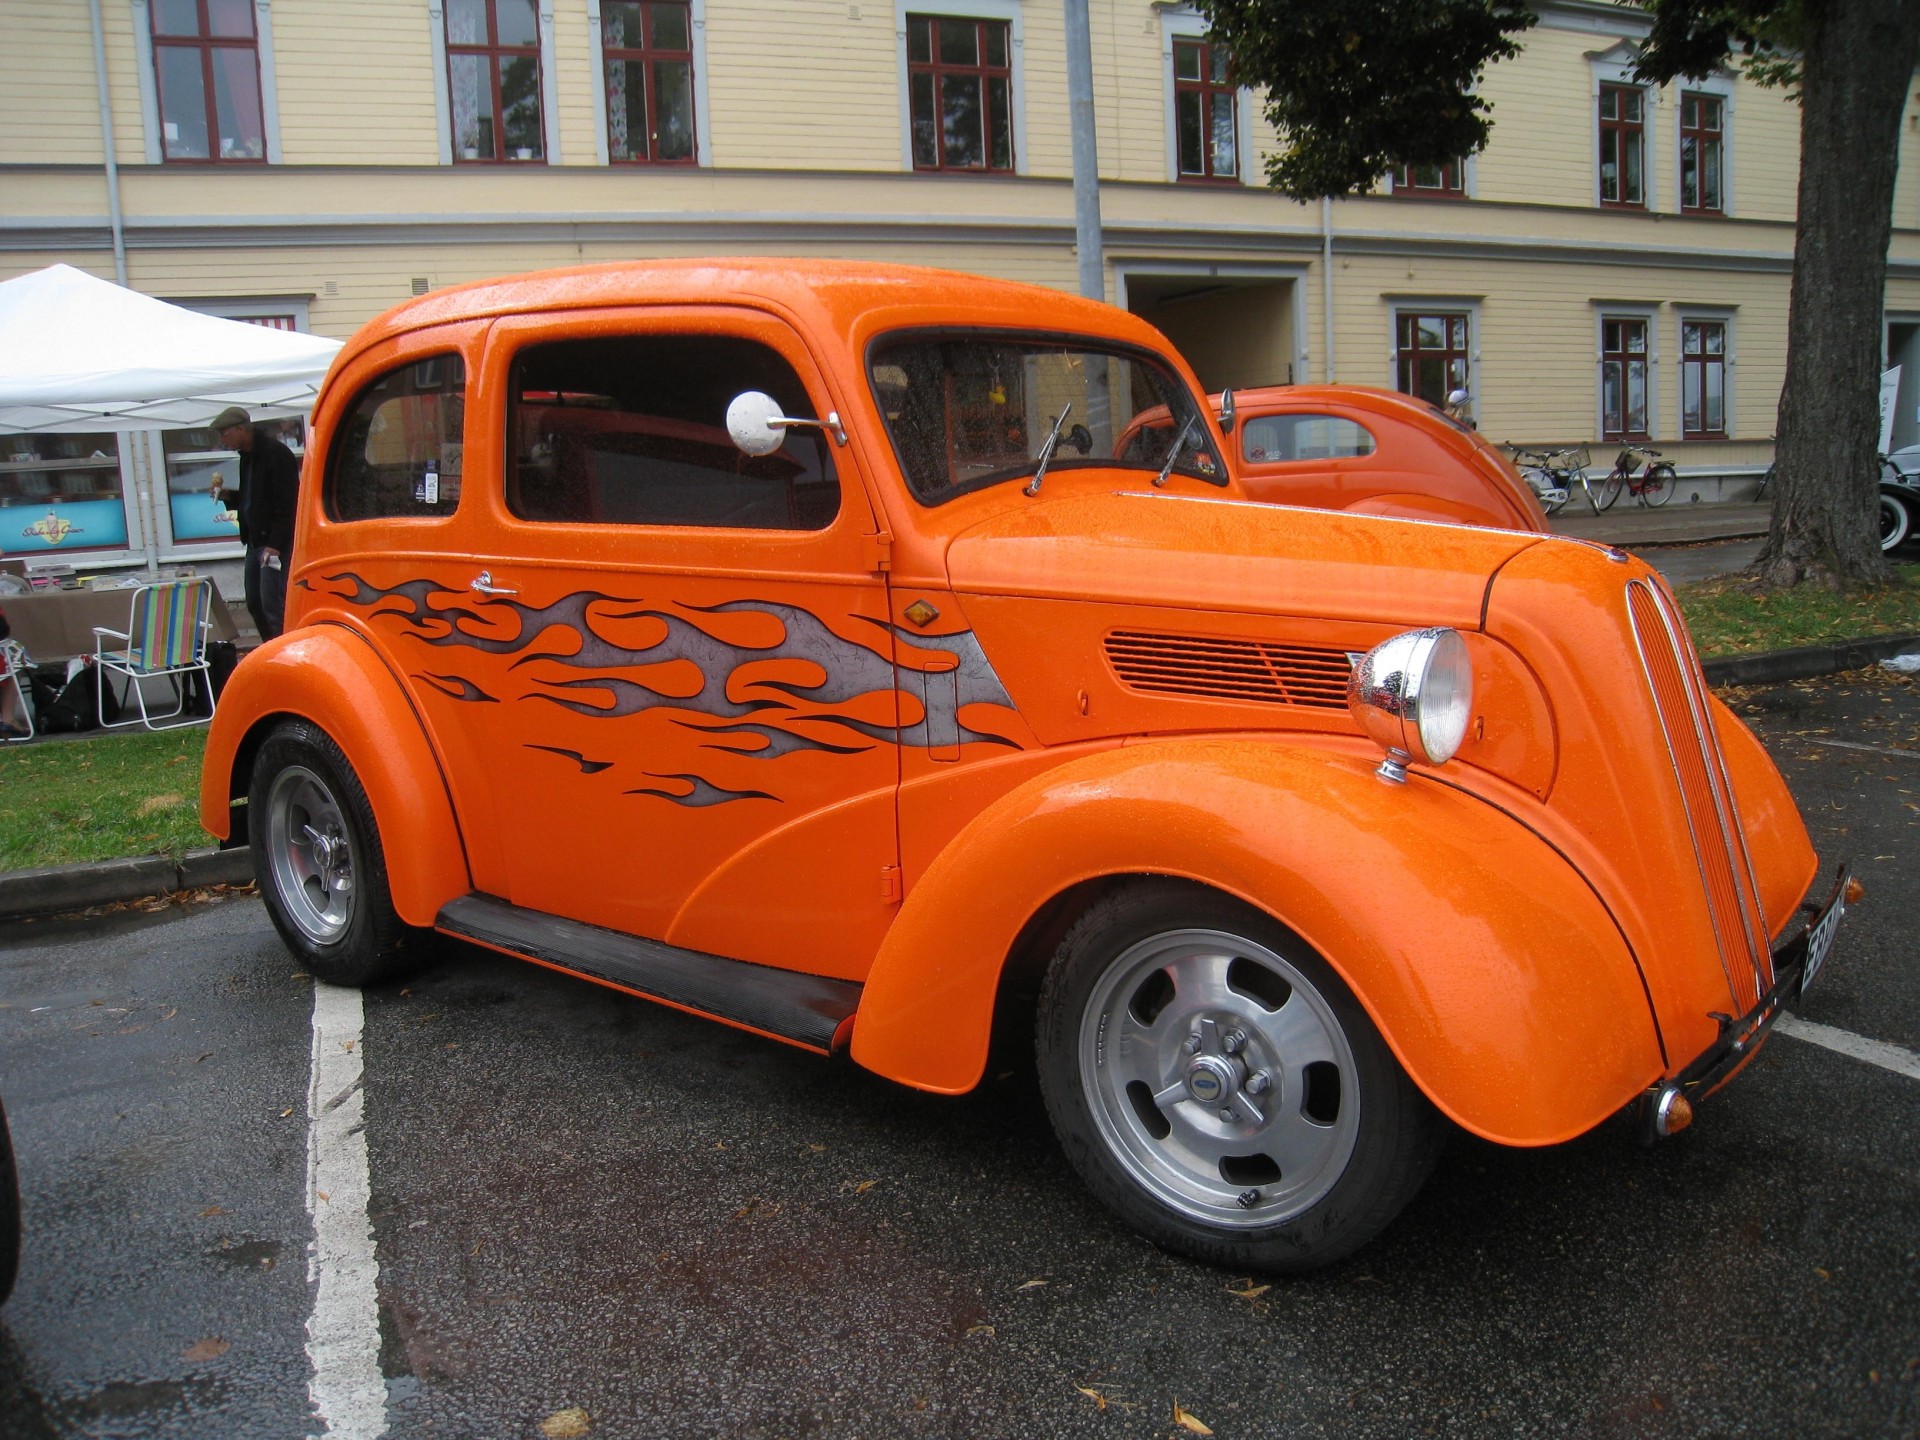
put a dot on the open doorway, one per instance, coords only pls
(1237, 331)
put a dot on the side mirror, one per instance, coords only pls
(758, 428)
(1226, 412)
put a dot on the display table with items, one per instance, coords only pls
(58, 624)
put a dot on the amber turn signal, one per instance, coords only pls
(1672, 1112)
(1855, 890)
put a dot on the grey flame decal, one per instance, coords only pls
(693, 672)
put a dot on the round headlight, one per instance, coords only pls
(1413, 694)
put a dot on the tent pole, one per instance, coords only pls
(114, 217)
(144, 505)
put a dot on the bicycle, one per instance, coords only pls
(1537, 469)
(1652, 486)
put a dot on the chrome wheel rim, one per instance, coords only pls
(310, 853)
(1220, 1078)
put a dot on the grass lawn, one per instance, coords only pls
(101, 797)
(1728, 619)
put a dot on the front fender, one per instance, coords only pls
(329, 675)
(1494, 972)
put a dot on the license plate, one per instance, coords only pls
(1820, 937)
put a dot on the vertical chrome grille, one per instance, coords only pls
(1719, 843)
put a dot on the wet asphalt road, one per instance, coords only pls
(584, 1200)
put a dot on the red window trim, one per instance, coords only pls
(986, 72)
(1206, 88)
(1406, 358)
(1702, 135)
(206, 42)
(1702, 361)
(495, 52)
(646, 55)
(1453, 183)
(1626, 358)
(1624, 129)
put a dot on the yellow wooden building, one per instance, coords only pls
(1616, 264)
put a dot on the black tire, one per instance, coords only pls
(1610, 489)
(9, 1212)
(1179, 1138)
(1896, 521)
(1661, 483)
(318, 859)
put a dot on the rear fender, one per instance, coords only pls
(329, 675)
(1496, 975)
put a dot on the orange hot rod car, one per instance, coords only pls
(1300, 835)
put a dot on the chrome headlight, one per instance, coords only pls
(1413, 694)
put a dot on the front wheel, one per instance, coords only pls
(1662, 480)
(318, 859)
(1896, 521)
(1609, 492)
(1216, 1085)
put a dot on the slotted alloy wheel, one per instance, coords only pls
(1220, 1078)
(311, 853)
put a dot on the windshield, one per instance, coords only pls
(975, 409)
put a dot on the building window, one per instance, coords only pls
(648, 46)
(960, 79)
(1432, 354)
(207, 58)
(1206, 112)
(1703, 380)
(1702, 154)
(493, 75)
(1438, 181)
(1623, 379)
(1623, 146)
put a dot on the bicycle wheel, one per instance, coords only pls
(1661, 483)
(1609, 492)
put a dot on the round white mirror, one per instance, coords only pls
(755, 422)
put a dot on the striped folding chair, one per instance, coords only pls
(13, 670)
(165, 638)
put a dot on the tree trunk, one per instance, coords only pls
(1858, 61)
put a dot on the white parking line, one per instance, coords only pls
(1845, 1042)
(343, 1334)
(1870, 749)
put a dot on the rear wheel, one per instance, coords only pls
(1896, 521)
(1661, 483)
(318, 859)
(1216, 1084)
(1609, 492)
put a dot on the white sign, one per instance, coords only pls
(1889, 395)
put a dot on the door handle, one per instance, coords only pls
(482, 584)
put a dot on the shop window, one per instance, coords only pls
(60, 492)
(1702, 154)
(631, 430)
(1703, 379)
(1438, 182)
(1432, 355)
(1623, 146)
(397, 451)
(493, 77)
(960, 86)
(1274, 439)
(1206, 112)
(206, 58)
(1623, 378)
(203, 476)
(647, 46)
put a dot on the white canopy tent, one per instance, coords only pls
(80, 354)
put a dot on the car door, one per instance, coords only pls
(673, 657)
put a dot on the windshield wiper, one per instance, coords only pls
(1046, 451)
(1173, 454)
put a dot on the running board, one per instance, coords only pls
(806, 1010)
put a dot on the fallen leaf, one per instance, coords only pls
(1191, 1423)
(325, 1198)
(566, 1424)
(864, 1186)
(211, 1348)
(980, 1330)
(1251, 1292)
(299, 975)
(210, 1211)
(1824, 1275)
(286, 1112)
(1030, 1285)
(1093, 1395)
(347, 1045)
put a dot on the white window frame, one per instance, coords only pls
(150, 85)
(1649, 313)
(549, 82)
(1007, 10)
(1723, 315)
(1721, 86)
(1615, 67)
(1187, 23)
(697, 18)
(1397, 305)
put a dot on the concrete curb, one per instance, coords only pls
(61, 888)
(1776, 666)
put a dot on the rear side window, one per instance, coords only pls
(397, 452)
(1270, 438)
(632, 430)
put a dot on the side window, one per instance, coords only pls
(632, 430)
(397, 451)
(1268, 439)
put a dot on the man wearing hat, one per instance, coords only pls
(269, 485)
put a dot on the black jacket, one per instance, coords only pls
(269, 485)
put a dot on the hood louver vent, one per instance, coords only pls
(1222, 668)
